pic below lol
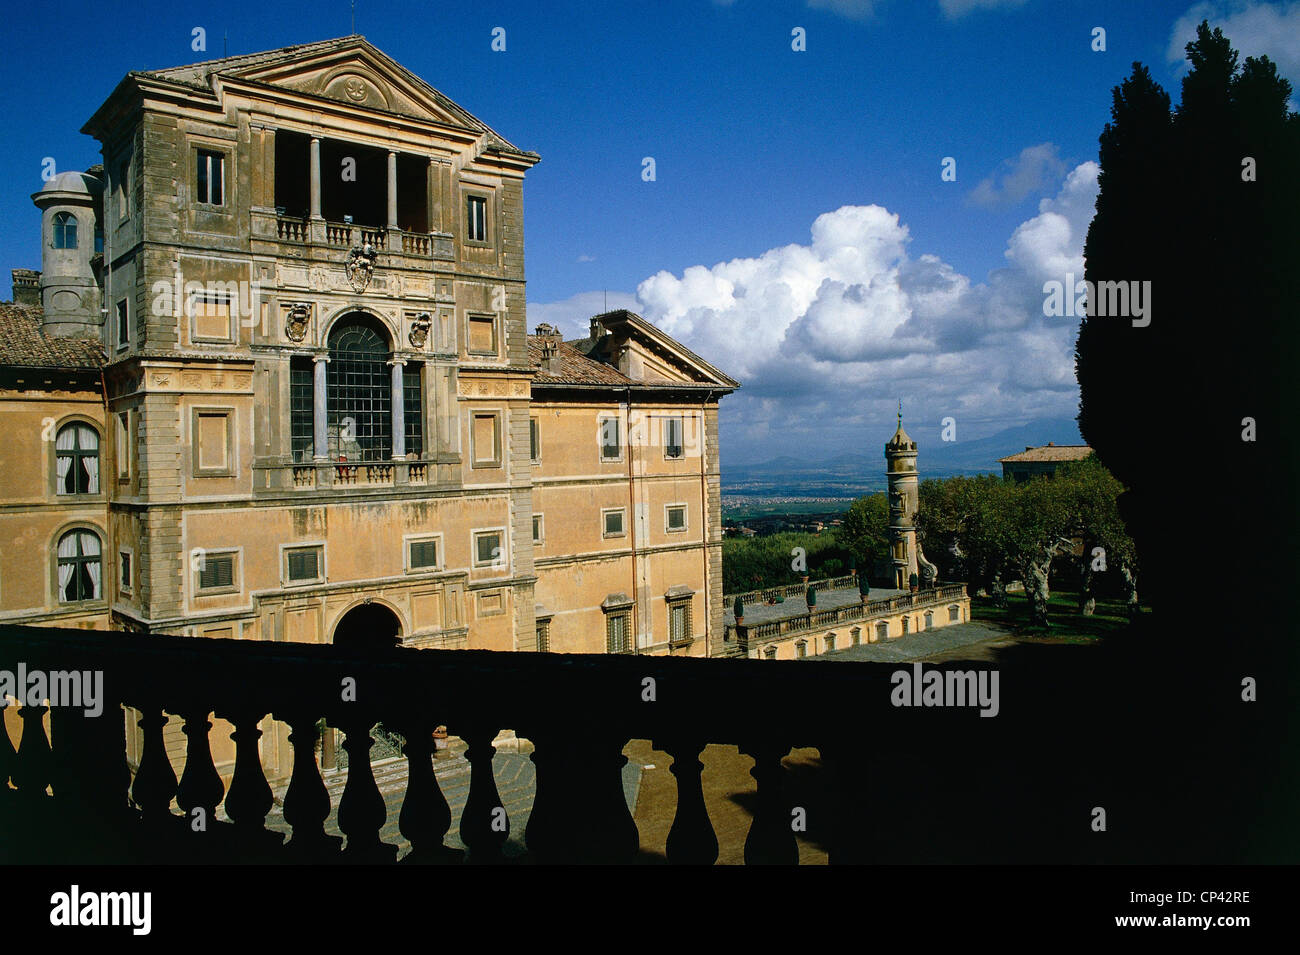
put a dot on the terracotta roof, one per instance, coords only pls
(572, 367)
(24, 345)
(1050, 453)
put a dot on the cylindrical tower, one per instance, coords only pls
(901, 473)
(69, 288)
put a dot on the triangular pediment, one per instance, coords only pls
(360, 76)
(348, 70)
(647, 354)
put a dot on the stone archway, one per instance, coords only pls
(368, 625)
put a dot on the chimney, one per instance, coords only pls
(596, 328)
(1029, 447)
(549, 339)
(1051, 444)
(27, 287)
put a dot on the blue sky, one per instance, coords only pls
(916, 288)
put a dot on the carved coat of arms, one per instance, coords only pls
(295, 324)
(361, 266)
(420, 330)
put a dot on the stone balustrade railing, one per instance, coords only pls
(343, 235)
(316, 475)
(820, 619)
(791, 590)
(74, 797)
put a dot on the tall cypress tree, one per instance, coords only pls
(1163, 403)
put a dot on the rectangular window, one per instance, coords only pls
(413, 409)
(538, 529)
(424, 555)
(123, 445)
(487, 548)
(954, 614)
(304, 564)
(210, 317)
(801, 649)
(211, 177)
(476, 212)
(613, 522)
(482, 338)
(830, 642)
(676, 521)
(301, 436)
(210, 443)
(216, 572)
(124, 188)
(673, 438)
(679, 625)
(611, 446)
(544, 636)
(123, 324)
(534, 440)
(616, 633)
(485, 440)
(124, 572)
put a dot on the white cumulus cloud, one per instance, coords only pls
(839, 328)
(1255, 29)
(1015, 179)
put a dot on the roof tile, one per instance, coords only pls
(24, 345)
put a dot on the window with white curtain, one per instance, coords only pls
(76, 459)
(81, 568)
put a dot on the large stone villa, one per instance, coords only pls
(273, 382)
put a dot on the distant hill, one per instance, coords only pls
(853, 472)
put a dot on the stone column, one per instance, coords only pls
(318, 409)
(399, 409)
(431, 206)
(392, 189)
(315, 177)
(432, 441)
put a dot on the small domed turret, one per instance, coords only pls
(70, 296)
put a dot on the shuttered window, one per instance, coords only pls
(616, 633)
(216, 571)
(304, 563)
(424, 554)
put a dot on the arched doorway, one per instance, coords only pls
(367, 626)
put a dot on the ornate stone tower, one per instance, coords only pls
(901, 473)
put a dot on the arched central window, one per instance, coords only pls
(359, 391)
(65, 230)
(76, 460)
(80, 568)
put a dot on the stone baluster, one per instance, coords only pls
(484, 825)
(691, 840)
(771, 839)
(307, 802)
(548, 820)
(31, 772)
(580, 814)
(425, 816)
(201, 789)
(250, 797)
(155, 780)
(361, 808)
